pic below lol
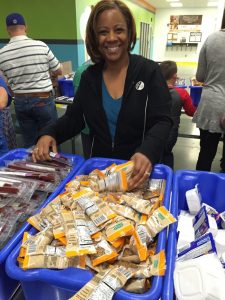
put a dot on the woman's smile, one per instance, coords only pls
(112, 35)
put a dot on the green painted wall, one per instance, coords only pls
(60, 20)
(140, 14)
(46, 19)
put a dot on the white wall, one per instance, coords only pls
(162, 18)
(186, 57)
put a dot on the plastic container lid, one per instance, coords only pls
(199, 279)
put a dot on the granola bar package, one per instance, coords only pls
(98, 211)
(160, 219)
(104, 252)
(79, 241)
(119, 228)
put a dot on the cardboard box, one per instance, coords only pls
(66, 67)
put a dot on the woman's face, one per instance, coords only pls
(112, 33)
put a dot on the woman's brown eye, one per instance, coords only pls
(103, 32)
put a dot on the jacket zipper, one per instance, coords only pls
(92, 145)
(145, 117)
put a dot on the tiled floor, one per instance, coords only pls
(186, 149)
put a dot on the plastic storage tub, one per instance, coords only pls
(41, 284)
(195, 93)
(66, 87)
(8, 285)
(212, 189)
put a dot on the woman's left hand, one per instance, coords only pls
(142, 170)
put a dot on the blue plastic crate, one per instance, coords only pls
(41, 284)
(195, 93)
(212, 189)
(66, 87)
(8, 285)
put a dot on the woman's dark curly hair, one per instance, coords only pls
(91, 31)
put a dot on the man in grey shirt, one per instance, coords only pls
(211, 71)
(28, 65)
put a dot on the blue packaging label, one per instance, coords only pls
(204, 245)
(201, 223)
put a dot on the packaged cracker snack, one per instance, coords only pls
(86, 291)
(140, 205)
(114, 280)
(79, 241)
(159, 220)
(97, 210)
(137, 286)
(104, 252)
(119, 228)
(141, 239)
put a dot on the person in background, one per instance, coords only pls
(211, 71)
(123, 97)
(180, 99)
(85, 133)
(7, 122)
(5, 100)
(28, 64)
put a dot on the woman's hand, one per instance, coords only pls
(142, 170)
(41, 150)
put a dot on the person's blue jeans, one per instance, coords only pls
(34, 113)
(3, 144)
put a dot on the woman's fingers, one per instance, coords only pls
(41, 150)
(142, 170)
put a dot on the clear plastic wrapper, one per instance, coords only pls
(63, 165)
(16, 188)
(30, 166)
(39, 185)
(43, 176)
(61, 159)
(8, 228)
(57, 159)
(22, 210)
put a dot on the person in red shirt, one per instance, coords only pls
(180, 99)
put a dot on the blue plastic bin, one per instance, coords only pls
(66, 87)
(212, 189)
(41, 284)
(8, 285)
(195, 93)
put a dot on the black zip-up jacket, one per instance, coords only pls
(143, 123)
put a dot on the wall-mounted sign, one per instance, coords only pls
(184, 29)
(195, 37)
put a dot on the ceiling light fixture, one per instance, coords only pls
(176, 4)
(212, 4)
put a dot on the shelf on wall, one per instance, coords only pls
(181, 46)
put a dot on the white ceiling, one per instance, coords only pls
(186, 3)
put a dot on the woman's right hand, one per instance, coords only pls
(41, 150)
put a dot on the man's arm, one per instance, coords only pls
(3, 98)
(57, 72)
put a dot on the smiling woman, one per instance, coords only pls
(122, 97)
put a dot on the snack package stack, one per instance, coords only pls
(200, 250)
(98, 224)
(24, 185)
